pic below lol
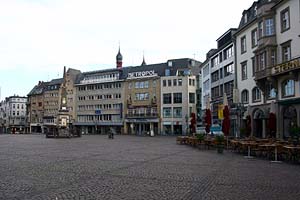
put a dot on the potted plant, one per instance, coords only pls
(219, 140)
(200, 137)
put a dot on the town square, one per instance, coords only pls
(131, 167)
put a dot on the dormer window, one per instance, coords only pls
(255, 10)
(245, 18)
(170, 63)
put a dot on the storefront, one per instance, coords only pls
(142, 127)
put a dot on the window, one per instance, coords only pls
(269, 24)
(228, 88)
(228, 53)
(215, 61)
(221, 73)
(271, 92)
(273, 57)
(170, 83)
(256, 95)
(146, 84)
(221, 89)
(154, 83)
(253, 66)
(220, 57)
(177, 98)
(177, 112)
(286, 51)
(245, 18)
(141, 96)
(215, 92)
(167, 98)
(129, 85)
(262, 61)
(229, 69)
(167, 112)
(180, 82)
(245, 96)
(244, 70)
(164, 83)
(254, 38)
(167, 72)
(192, 97)
(174, 82)
(260, 29)
(285, 19)
(243, 44)
(288, 88)
(215, 76)
(190, 82)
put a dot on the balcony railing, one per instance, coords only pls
(141, 115)
(262, 74)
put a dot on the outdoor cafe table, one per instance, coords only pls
(249, 144)
(272, 145)
(293, 150)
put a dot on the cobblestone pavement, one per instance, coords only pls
(130, 167)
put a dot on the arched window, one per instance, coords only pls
(271, 91)
(256, 95)
(288, 88)
(245, 96)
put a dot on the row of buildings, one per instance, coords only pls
(147, 99)
(256, 65)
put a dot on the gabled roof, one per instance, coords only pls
(57, 81)
(38, 89)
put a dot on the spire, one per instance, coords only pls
(119, 58)
(64, 75)
(143, 63)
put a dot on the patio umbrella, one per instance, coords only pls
(207, 120)
(226, 120)
(272, 120)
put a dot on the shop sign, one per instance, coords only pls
(142, 74)
(288, 66)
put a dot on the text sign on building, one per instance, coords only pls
(141, 74)
(97, 112)
(285, 67)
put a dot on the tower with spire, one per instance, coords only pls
(144, 62)
(119, 59)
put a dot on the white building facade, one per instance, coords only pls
(178, 102)
(13, 114)
(267, 65)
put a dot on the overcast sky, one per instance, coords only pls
(39, 37)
